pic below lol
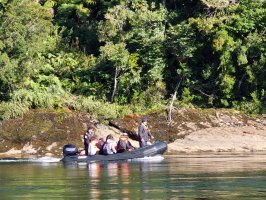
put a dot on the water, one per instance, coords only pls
(201, 176)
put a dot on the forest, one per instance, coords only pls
(114, 57)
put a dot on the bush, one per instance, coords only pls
(13, 109)
(254, 106)
(100, 110)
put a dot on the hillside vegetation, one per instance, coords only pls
(116, 57)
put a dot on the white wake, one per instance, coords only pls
(44, 159)
(157, 158)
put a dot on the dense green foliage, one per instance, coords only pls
(118, 56)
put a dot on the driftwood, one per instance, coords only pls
(171, 105)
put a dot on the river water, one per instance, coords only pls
(199, 176)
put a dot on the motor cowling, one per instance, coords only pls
(70, 150)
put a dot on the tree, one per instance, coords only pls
(229, 63)
(78, 21)
(26, 32)
(181, 47)
(140, 27)
(110, 52)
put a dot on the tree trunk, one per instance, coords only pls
(115, 85)
(170, 107)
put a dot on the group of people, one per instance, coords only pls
(93, 146)
(108, 146)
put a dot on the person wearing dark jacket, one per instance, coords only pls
(87, 138)
(124, 144)
(144, 133)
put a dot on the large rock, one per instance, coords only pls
(194, 130)
(222, 139)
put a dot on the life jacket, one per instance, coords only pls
(122, 144)
(107, 147)
(93, 149)
(100, 144)
(87, 137)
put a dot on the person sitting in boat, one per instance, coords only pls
(100, 144)
(109, 146)
(144, 133)
(87, 137)
(93, 148)
(124, 144)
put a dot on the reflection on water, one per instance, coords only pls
(94, 171)
(219, 176)
(206, 176)
(223, 162)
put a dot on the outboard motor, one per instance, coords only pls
(70, 150)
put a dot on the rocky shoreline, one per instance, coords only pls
(43, 133)
(197, 131)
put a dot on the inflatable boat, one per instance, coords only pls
(71, 154)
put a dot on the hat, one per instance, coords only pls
(90, 127)
(144, 119)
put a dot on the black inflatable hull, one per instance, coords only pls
(155, 149)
